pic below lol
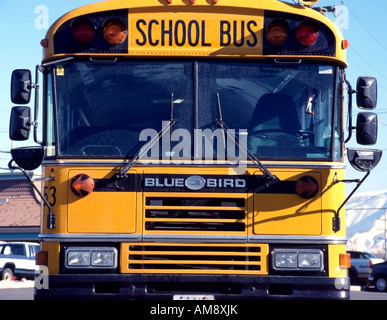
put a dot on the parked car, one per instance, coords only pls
(361, 266)
(17, 260)
(378, 277)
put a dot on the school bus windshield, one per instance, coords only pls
(286, 110)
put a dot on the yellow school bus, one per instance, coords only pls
(193, 150)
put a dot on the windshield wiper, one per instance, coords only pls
(143, 151)
(269, 178)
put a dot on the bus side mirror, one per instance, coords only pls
(367, 128)
(366, 92)
(21, 83)
(364, 159)
(27, 158)
(20, 123)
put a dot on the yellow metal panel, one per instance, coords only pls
(186, 33)
(206, 29)
(288, 214)
(333, 198)
(335, 270)
(100, 212)
(53, 250)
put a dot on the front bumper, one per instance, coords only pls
(164, 287)
(370, 282)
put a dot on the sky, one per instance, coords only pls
(25, 22)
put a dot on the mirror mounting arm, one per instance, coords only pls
(336, 221)
(36, 86)
(350, 93)
(50, 217)
(363, 160)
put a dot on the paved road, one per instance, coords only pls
(368, 295)
(17, 294)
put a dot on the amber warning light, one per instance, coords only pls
(277, 32)
(114, 32)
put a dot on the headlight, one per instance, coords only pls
(297, 259)
(98, 258)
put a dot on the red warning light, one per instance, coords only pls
(307, 33)
(83, 31)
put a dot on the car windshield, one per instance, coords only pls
(109, 109)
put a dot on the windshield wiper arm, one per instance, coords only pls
(143, 151)
(268, 176)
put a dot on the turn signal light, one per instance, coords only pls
(114, 32)
(82, 185)
(83, 31)
(41, 258)
(345, 260)
(307, 33)
(307, 187)
(277, 32)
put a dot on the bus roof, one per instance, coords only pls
(201, 18)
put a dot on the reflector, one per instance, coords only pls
(44, 43)
(345, 44)
(307, 33)
(83, 31)
(114, 32)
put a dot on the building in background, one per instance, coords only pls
(19, 208)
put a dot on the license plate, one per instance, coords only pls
(193, 297)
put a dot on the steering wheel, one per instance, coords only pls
(282, 136)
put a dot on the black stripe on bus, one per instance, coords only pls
(176, 183)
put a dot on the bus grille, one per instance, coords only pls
(195, 214)
(193, 258)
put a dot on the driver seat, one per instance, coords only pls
(275, 111)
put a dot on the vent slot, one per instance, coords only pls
(195, 214)
(194, 226)
(195, 202)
